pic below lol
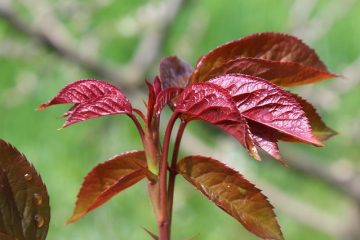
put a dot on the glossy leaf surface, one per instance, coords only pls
(165, 98)
(266, 46)
(108, 179)
(24, 202)
(280, 73)
(211, 103)
(233, 193)
(174, 72)
(265, 103)
(92, 98)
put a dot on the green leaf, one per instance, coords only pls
(24, 201)
(108, 179)
(233, 193)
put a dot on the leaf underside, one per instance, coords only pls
(92, 98)
(174, 72)
(108, 179)
(232, 193)
(213, 104)
(24, 202)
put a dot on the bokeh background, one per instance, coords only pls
(45, 44)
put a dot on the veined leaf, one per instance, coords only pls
(24, 202)
(280, 73)
(165, 97)
(276, 47)
(233, 193)
(265, 103)
(174, 72)
(92, 98)
(108, 179)
(213, 104)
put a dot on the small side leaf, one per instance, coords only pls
(268, 104)
(213, 104)
(24, 202)
(92, 98)
(174, 72)
(108, 179)
(232, 193)
(165, 97)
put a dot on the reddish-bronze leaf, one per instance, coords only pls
(267, 46)
(233, 193)
(92, 98)
(213, 104)
(280, 73)
(24, 202)
(265, 103)
(165, 97)
(174, 72)
(108, 179)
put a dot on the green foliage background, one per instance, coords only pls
(64, 157)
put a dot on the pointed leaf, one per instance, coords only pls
(165, 97)
(265, 103)
(108, 179)
(174, 72)
(280, 73)
(233, 193)
(92, 98)
(24, 202)
(211, 103)
(267, 46)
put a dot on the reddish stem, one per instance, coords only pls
(173, 171)
(138, 125)
(163, 222)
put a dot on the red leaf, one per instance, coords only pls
(280, 73)
(232, 193)
(92, 98)
(24, 201)
(174, 72)
(211, 103)
(108, 179)
(276, 47)
(265, 103)
(165, 97)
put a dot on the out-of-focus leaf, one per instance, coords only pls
(266, 46)
(152, 235)
(24, 202)
(280, 73)
(266, 139)
(319, 128)
(233, 193)
(92, 98)
(174, 72)
(265, 103)
(108, 179)
(211, 103)
(165, 97)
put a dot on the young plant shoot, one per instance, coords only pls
(236, 87)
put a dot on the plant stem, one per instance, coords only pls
(163, 222)
(138, 125)
(173, 171)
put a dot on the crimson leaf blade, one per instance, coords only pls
(108, 179)
(213, 104)
(230, 191)
(265, 103)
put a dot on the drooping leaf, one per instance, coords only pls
(108, 179)
(280, 73)
(276, 47)
(233, 193)
(211, 103)
(174, 72)
(265, 103)
(24, 202)
(92, 98)
(165, 98)
(266, 139)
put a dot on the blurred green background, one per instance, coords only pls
(110, 31)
